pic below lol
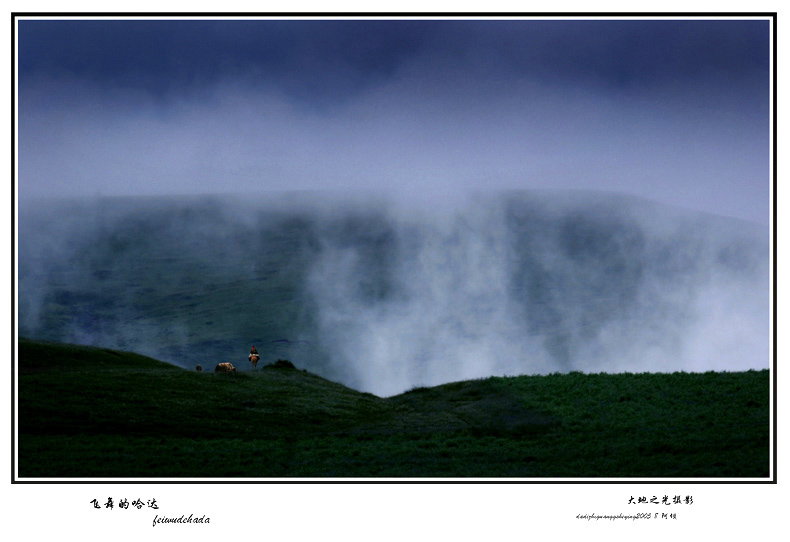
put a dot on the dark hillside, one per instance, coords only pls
(41, 356)
(104, 391)
(91, 412)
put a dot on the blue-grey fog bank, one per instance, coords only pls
(385, 293)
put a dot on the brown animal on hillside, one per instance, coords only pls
(225, 368)
(199, 368)
(254, 359)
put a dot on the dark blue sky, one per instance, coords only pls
(673, 110)
(323, 60)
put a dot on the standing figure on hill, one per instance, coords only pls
(253, 357)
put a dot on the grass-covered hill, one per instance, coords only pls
(93, 412)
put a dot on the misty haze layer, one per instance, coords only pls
(384, 294)
(676, 111)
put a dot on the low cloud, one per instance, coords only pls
(383, 295)
(532, 286)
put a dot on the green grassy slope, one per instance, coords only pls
(91, 412)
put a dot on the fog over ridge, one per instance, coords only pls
(536, 285)
(384, 295)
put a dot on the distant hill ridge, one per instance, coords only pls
(384, 296)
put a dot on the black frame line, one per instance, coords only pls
(405, 15)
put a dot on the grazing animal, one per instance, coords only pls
(225, 368)
(199, 368)
(254, 359)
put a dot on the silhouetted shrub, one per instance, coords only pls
(281, 364)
